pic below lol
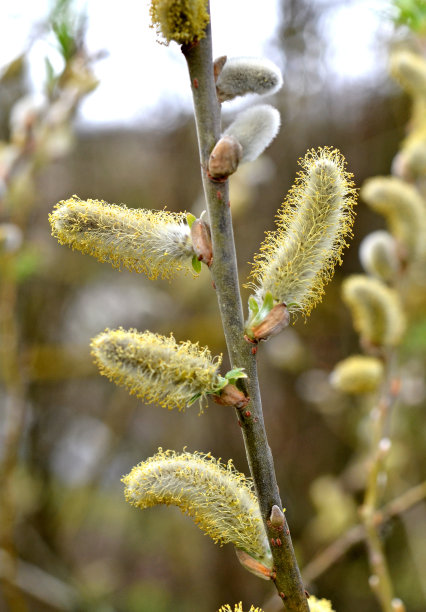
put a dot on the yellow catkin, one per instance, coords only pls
(298, 259)
(376, 310)
(403, 208)
(183, 21)
(156, 243)
(238, 608)
(156, 368)
(319, 605)
(217, 497)
(358, 374)
(409, 69)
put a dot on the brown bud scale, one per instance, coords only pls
(231, 396)
(275, 321)
(201, 241)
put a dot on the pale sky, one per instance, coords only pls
(240, 27)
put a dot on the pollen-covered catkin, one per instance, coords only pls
(319, 605)
(183, 21)
(298, 258)
(156, 368)
(403, 208)
(156, 243)
(255, 128)
(217, 497)
(357, 374)
(238, 608)
(243, 75)
(409, 69)
(376, 309)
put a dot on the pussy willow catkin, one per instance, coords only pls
(404, 209)
(358, 374)
(238, 608)
(157, 243)
(242, 75)
(180, 20)
(376, 309)
(298, 258)
(156, 368)
(219, 499)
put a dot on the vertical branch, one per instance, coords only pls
(380, 580)
(225, 277)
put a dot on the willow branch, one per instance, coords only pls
(225, 277)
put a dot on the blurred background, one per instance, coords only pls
(91, 105)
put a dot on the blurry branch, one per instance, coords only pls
(39, 134)
(38, 584)
(356, 534)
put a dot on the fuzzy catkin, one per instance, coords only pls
(254, 128)
(379, 255)
(376, 309)
(319, 605)
(409, 69)
(298, 259)
(403, 208)
(183, 21)
(357, 374)
(242, 75)
(217, 497)
(156, 368)
(156, 243)
(238, 608)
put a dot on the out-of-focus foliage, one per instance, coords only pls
(411, 13)
(76, 543)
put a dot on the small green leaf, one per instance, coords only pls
(253, 305)
(190, 218)
(196, 264)
(235, 374)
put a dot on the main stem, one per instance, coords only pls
(225, 277)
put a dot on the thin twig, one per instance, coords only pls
(225, 277)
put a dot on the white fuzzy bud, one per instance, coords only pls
(255, 129)
(243, 75)
(379, 256)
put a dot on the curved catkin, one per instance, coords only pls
(156, 368)
(219, 499)
(376, 310)
(378, 254)
(298, 258)
(156, 243)
(183, 21)
(243, 75)
(403, 207)
(358, 374)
